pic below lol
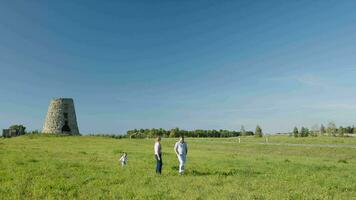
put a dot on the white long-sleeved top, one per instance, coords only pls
(181, 148)
(157, 148)
(123, 158)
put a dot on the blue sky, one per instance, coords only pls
(187, 64)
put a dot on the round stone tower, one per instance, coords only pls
(61, 117)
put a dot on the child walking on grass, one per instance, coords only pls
(123, 159)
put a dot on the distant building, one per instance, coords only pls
(13, 131)
(61, 117)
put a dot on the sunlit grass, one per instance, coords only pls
(48, 167)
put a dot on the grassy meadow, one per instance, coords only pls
(86, 167)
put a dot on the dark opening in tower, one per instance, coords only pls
(66, 128)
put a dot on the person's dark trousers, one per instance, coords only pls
(159, 164)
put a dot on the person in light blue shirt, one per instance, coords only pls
(181, 149)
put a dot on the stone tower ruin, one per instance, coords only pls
(61, 117)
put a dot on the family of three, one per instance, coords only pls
(181, 150)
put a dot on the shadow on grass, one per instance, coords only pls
(19, 163)
(33, 160)
(232, 172)
(83, 152)
(342, 161)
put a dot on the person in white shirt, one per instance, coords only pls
(181, 149)
(123, 159)
(158, 155)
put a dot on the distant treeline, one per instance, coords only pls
(109, 135)
(330, 130)
(176, 132)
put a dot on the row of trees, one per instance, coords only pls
(330, 130)
(176, 132)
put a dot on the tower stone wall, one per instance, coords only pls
(61, 117)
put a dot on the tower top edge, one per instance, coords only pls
(62, 99)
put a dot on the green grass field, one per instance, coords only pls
(50, 167)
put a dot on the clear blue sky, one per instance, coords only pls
(188, 64)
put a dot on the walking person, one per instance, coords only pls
(158, 155)
(123, 159)
(181, 149)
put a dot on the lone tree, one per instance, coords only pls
(331, 130)
(341, 131)
(322, 130)
(295, 132)
(242, 131)
(258, 132)
(304, 132)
